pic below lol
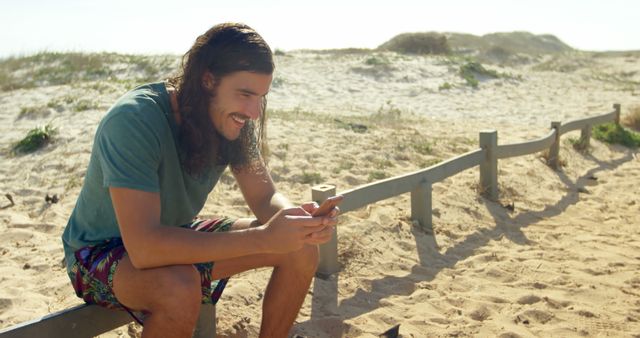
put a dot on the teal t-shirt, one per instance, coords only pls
(135, 147)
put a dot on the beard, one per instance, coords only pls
(240, 151)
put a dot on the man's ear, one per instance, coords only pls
(208, 80)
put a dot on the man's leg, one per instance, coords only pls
(171, 295)
(287, 288)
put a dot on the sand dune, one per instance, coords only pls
(564, 263)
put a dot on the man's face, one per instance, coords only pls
(238, 98)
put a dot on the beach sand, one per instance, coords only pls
(565, 262)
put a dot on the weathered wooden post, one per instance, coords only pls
(554, 151)
(421, 206)
(585, 137)
(206, 326)
(489, 166)
(616, 107)
(328, 251)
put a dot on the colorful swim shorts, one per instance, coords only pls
(92, 273)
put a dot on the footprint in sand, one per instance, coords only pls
(5, 303)
(528, 299)
(533, 315)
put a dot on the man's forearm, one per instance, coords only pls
(167, 245)
(266, 210)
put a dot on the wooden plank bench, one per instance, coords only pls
(91, 320)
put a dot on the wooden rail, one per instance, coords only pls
(420, 182)
(525, 148)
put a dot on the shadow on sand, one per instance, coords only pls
(325, 307)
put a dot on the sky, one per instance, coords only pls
(160, 26)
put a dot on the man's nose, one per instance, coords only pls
(253, 109)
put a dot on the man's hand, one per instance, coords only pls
(324, 235)
(290, 229)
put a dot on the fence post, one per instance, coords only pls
(421, 206)
(206, 326)
(554, 151)
(616, 107)
(489, 166)
(328, 251)
(585, 137)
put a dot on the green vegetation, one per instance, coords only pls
(376, 65)
(445, 86)
(422, 147)
(36, 138)
(83, 105)
(578, 143)
(343, 165)
(508, 42)
(632, 120)
(53, 68)
(377, 175)
(298, 113)
(382, 163)
(418, 43)
(355, 127)
(427, 163)
(311, 178)
(615, 133)
(377, 60)
(565, 64)
(33, 112)
(387, 113)
(470, 71)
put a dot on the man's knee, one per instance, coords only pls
(306, 259)
(178, 286)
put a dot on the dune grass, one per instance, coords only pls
(418, 43)
(632, 119)
(470, 71)
(615, 133)
(56, 68)
(35, 139)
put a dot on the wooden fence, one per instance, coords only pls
(419, 183)
(90, 320)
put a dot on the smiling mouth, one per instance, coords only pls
(240, 119)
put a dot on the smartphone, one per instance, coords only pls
(328, 205)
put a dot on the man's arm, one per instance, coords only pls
(259, 191)
(150, 244)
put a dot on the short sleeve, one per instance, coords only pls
(129, 150)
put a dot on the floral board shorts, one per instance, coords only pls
(92, 273)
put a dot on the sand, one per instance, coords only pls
(565, 262)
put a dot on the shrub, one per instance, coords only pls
(445, 86)
(310, 178)
(33, 112)
(36, 138)
(376, 60)
(423, 147)
(377, 175)
(471, 69)
(418, 43)
(632, 120)
(615, 133)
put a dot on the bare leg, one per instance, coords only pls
(171, 295)
(287, 288)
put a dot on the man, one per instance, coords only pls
(130, 241)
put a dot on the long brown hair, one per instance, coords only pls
(222, 50)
